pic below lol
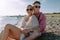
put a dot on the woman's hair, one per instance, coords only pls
(30, 6)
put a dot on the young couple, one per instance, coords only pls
(32, 26)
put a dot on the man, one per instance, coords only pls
(41, 17)
(42, 21)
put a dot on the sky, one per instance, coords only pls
(18, 7)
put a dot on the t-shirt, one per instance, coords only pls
(31, 23)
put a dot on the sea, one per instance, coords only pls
(8, 20)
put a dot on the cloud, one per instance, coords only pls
(12, 7)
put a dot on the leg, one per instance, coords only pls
(11, 31)
(10, 38)
(2, 34)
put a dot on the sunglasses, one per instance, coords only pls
(37, 6)
(29, 9)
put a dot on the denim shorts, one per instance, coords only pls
(25, 36)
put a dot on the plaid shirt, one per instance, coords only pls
(42, 22)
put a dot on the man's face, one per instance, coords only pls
(36, 7)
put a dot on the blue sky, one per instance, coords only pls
(18, 7)
(51, 6)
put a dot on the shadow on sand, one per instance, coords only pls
(48, 36)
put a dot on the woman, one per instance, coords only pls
(29, 22)
(12, 31)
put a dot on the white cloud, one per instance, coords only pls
(12, 7)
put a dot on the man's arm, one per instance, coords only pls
(35, 29)
(42, 24)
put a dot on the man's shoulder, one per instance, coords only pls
(41, 14)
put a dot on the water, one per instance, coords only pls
(8, 20)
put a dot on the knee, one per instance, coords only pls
(7, 26)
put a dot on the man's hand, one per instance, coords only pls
(25, 31)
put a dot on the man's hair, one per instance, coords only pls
(36, 2)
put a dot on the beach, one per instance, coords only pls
(52, 24)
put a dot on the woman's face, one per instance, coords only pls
(30, 10)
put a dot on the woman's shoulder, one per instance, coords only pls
(33, 16)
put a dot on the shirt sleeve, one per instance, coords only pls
(21, 23)
(42, 24)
